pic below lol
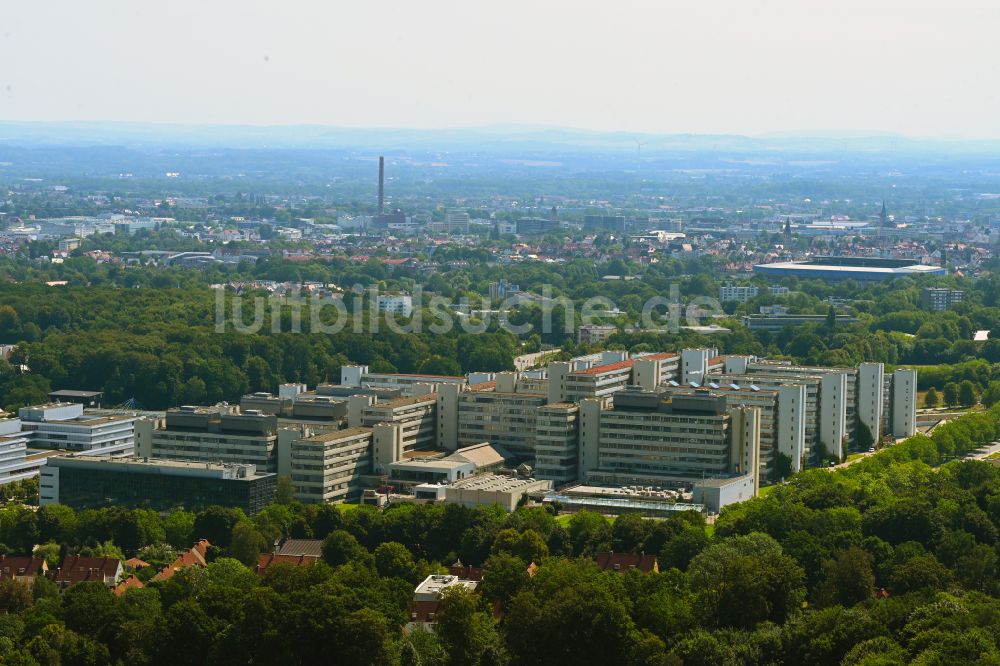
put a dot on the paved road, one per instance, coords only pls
(984, 452)
(851, 461)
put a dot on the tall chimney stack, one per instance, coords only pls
(381, 184)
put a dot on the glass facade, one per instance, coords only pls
(83, 488)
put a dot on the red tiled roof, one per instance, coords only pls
(195, 557)
(601, 369)
(78, 569)
(136, 563)
(27, 565)
(267, 559)
(662, 356)
(466, 572)
(129, 582)
(200, 549)
(483, 386)
(622, 562)
(411, 374)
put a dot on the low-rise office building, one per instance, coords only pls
(479, 458)
(87, 482)
(318, 408)
(592, 334)
(775, 323)
(208, 434)
(487, 489)
(738, 293)
(65, 426)
(14, 462)
(647, 501)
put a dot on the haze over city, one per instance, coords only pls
(924, 69)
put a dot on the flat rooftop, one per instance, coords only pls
(494, 482)
(845, 267)
(69, 393)
(405, 402)
(865, 262)
(96, 420)
(159, 465)
(426, 463)
(334, 435)
(435, 584)
(621, 503)
(601, 369)
(562, 406)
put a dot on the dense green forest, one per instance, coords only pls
(892, 560)
(149, 334)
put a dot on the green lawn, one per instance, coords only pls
(563, 519)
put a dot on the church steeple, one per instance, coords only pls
(788, 228)
(883, 219)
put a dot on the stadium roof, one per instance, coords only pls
(843, 268)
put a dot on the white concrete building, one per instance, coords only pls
(14, 463)
(737, 293)
(503, 418)
(556, 437)
(871, 398)
(650, 371)
(904, 403)
(782, 416)
(325, 467)
(646, 440)
(399, 426)
(206, 434)
(397, 304)
(487, 489)
(697, 364)
(358, 376)
(61, 425)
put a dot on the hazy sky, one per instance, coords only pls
(744, 66)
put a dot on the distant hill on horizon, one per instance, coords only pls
(495, 139)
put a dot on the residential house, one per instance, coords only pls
(79, 569)
(622, 562)
(22, 568)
